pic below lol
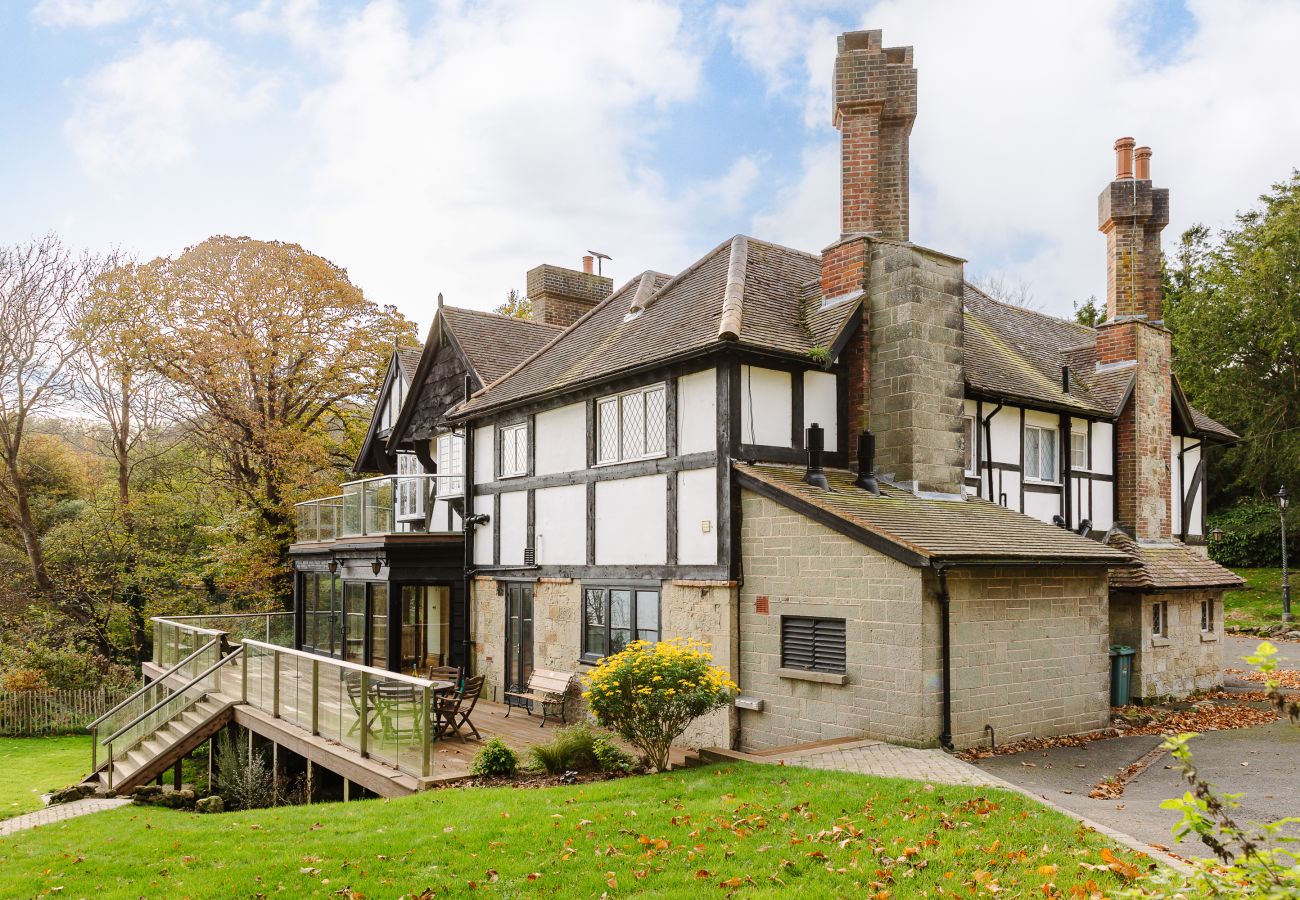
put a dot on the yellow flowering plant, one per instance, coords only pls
(650, 692)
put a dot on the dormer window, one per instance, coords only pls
(631, 425)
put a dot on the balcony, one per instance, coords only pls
(389, 504)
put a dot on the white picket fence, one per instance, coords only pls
(26, 713)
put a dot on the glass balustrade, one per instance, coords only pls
(385, 505)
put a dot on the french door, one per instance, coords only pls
(519, 635)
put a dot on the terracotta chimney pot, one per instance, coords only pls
(1142, 163)
(1124, 158)
(587, 264)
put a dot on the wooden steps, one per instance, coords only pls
(162, 749)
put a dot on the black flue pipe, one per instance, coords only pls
(815, 441)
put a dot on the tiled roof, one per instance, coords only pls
(1167, 566)
(684, 315)
(408, 359)
(1016, 353)
(494, 343)
(930, 530)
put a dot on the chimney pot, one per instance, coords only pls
(1124, 158)
(1142, 163)
(588, 264)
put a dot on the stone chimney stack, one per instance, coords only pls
(562, 296)
(904, 362)
(1131, 213)
(875, 106)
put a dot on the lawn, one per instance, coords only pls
(33, 766)
(1260, 601)
(744, 829)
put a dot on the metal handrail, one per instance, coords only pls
(426, 475)
(322, 499)
(151, 684)
(180, 619)
(164, 701)
(341, 663)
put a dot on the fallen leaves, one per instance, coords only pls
(1287, 678)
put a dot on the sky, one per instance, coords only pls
(448, 146)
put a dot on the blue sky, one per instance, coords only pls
(449, 146)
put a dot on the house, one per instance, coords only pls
(896, 507)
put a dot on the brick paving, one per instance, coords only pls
(879, 758)
(58, 813)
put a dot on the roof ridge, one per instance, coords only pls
(733, 290)
(1025, 309)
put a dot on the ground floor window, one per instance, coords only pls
(426, 627)
(613, 617)
(1207, 615)
(1160, 619)
(815, 645)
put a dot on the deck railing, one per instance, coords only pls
(385, 505)
(177, 636)
(382, 715)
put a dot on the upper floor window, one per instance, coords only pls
(514, 450)
(632, 425)
(968, 433)
(1079, 450)
(451, 461)
(410, 490)
(1040, 454)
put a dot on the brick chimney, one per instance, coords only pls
(561, 296)
(904, 362)
(1131, 213)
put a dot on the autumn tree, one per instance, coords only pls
(274, 353)
(516, 305)
(42, 287)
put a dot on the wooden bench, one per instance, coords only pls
(546, 687)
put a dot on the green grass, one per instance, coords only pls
(1260, 601)
(33, 766)
(764, 830)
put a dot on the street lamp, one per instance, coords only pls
(1286, 580)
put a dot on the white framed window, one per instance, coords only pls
(1207, 616)
(410, 490)
(451, 461)
(514, 451)
(968, 432)
(1160, 619)
(632, 425)
(1079, 450)
(1040, 454)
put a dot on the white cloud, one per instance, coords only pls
(85, 13)
(1019, 105)
(149, 108)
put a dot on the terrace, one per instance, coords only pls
(385, 505)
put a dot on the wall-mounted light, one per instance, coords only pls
(333, 566)
(376, 565)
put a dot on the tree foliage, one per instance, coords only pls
(516, 305)
(1233, 302)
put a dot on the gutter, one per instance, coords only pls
(945, 632)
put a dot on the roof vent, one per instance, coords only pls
(816, 443)
(1065, 379)
(644, 296)
(867, 464)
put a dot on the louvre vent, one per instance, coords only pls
(816, 645)
(530, 556)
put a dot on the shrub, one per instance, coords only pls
(242, 779)
(494, 760)
(649, 693)
(572, 749)
(1252, 535)
(611, 757)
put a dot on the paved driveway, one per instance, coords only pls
(1263, 763)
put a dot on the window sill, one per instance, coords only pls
(1160, 642)
(808, 675)
(618, 462)
(1042, 483)
(504, 475)
(1209, 637)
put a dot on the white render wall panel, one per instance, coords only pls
(697, 504)
(514, 527)
(1103, 448)
(765, 407)
(820, 405)
(1004, 437)
(561, 439)
(561, 517)
(632, 521)
(483, 533)
(1103, 505)
(1042, 506)
(697, 412)
(484, 454)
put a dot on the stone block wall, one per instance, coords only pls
(1030, 652)
(1186, 659)
(795, 566)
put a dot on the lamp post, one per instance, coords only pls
(1286, 580)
